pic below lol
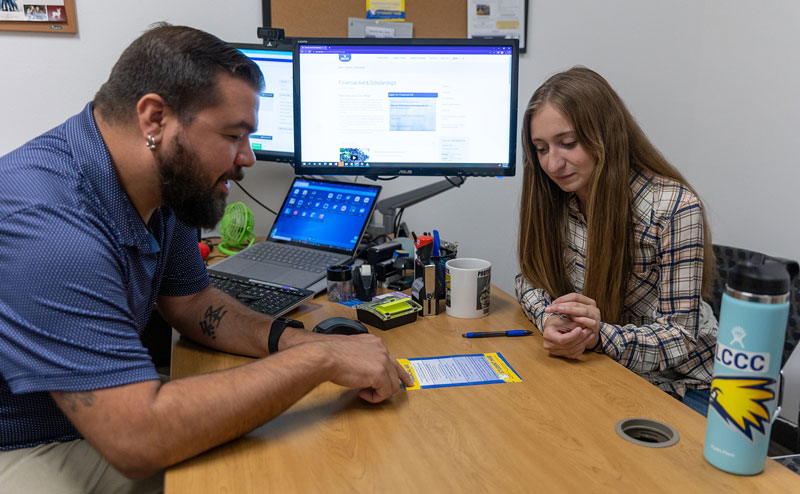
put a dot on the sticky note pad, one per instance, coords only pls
(396, 307)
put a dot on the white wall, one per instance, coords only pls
(715, 84)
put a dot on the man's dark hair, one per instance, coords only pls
(180, 64)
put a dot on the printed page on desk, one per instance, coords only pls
(459, 370)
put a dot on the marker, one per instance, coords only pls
(488, 334)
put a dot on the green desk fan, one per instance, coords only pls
(236, 228)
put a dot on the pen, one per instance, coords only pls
(435, 251)
(487, 334)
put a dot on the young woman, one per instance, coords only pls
(614, 246)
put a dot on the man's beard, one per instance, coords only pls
(183, 188)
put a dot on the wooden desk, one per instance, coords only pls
(554, 432)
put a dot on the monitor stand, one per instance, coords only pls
(388, 207)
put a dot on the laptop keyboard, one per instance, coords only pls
(288, 255)
(267, 299)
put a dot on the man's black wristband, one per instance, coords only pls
(276, 330)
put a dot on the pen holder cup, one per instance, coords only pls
(438, 261)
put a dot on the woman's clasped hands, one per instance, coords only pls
(574, 328)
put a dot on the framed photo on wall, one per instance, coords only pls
(48, 16)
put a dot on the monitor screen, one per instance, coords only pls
(406, 106)
(273, 140)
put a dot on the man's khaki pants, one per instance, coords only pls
(67, 468)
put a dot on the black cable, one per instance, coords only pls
(398, 221)
(386, 179)
(215, 256)
(253, 198)
(453, 183)
(376, 240)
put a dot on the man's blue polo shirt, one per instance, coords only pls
(79, 273)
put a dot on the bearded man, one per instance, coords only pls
(98, 221)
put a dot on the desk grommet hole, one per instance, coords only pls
(647, 432)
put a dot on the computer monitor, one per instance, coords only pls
(274, 138)
(405, 106)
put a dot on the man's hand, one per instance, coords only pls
(362, 361)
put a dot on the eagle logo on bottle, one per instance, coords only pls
(741, 402)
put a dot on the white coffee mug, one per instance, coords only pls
(468, 281)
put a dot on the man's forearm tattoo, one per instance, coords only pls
(211, 320)
(85, 398)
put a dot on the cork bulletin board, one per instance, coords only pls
(328, 18)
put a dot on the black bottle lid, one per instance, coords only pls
(340, 272)
(760, 277)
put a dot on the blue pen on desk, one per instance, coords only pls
(435, 252)
(488, 334)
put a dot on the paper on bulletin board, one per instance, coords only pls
(367, 28)
(46, 11)
(459, 370)
(496, 19)
(386, 10)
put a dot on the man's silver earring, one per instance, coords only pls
(151, 142)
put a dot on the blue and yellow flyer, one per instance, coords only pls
(386, 10)
(459, 370)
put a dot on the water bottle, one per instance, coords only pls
(744, 391)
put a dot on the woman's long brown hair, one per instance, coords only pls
(607, 131)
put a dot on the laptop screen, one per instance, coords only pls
(326, 215)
